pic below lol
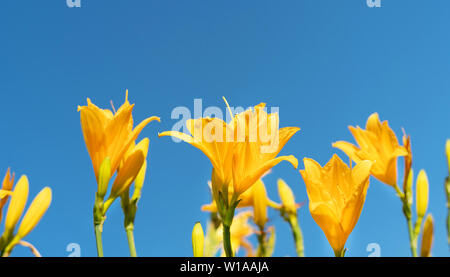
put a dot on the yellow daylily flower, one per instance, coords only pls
(258, 153)
(377, 143)
(427, 237)
(242, 151)
(336, 197)
(108, 134)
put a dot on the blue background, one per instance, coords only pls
(326, 64)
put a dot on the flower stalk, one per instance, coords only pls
(99, 220)
(408, 216)
(262, 245)
(288, 210)
(98, 237)
(406, 208)
(129, 209)
(131, 243)
(227, 241)
(227, 220)
(298, 235)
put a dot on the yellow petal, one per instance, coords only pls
(312, 169)
(130, 169)
(5, 193)
(361, 172)
(212, 208)
(17, 204)
(259, 172)
(312, 177)
(354, 206)
(188, 139)
(184, 137)
(92, 124)
(327, 220)
(119, 135)
(286, 134)
(349, 149)
(373, 123)
(35, 212)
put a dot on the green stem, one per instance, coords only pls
(412, 238)
(98, 237)
(227, 241)
(448, 225)
(417, 228)
(298, 236)
(407, 212)
(227, 215)
(131, 244)
(262, 251)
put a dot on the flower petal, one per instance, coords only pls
(325, 217)
(130, 169)
(349, 149)
(256, 174)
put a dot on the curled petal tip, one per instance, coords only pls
(155, 118)
(294, 161)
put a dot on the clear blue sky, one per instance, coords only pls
(326, 64)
